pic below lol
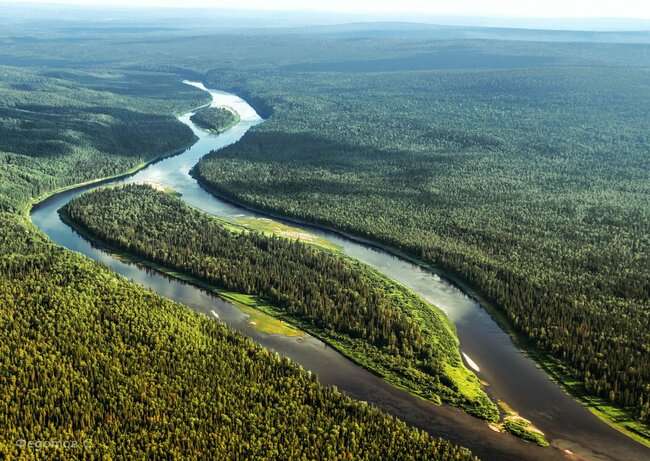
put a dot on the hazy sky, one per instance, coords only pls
(638, 9)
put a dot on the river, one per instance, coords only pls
(573, 431)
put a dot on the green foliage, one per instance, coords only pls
(90, 357)
(53, 133)
(86, 356)
(215, 119)
(376, 321)
(520, 428)
(531, 184)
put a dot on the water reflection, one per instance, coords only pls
(511, 375)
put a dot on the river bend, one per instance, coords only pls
(573, 431)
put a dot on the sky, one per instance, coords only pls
(636, 9)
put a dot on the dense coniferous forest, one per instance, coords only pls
(215, 119)
(519, 165)
(88, 357)
(376, 321)
(54, 133)
(532, 185)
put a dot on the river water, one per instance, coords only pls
(511, 376)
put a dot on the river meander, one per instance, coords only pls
(573, 431)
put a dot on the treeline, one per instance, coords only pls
(373, 319)
(215, 119)
(532, 184)
(88, 357)
(54, 133)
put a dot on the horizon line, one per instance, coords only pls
(188, 7)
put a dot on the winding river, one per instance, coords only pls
(513, 377)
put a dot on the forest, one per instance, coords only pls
(520, 166)
(87, 356)
(531, 185)
(372, 319)
(55, 133)
(90, 357)
(215, 119)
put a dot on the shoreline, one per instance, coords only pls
(266, 309)
(504, 443)
(35, 202)
(217, 131)
(448, 276)
(551, 365)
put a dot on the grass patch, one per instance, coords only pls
(271, 227)
(256, 310)
(521, 427)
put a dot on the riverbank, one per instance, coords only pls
(613, 416)
(449, 382)
(35, 202)
(331, 367)
(574, 430)
(253, 306)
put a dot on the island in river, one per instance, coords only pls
(215, 119)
